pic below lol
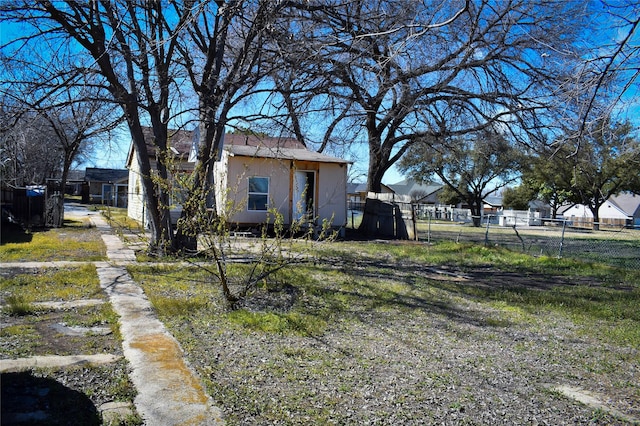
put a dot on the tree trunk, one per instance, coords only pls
(59, 222)
(201, 199)
(162, 238)
(475, 205)
(595, 211)
(376, 170)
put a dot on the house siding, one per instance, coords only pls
(233, 173)
(239, 170)
(332, 193)
(135, 206)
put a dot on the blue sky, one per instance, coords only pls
(113, 155)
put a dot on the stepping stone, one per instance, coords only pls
(116, 413)
(592, 400)
(80, 331)
(55, 361)
(70, 304)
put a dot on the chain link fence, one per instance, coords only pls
(556, 238)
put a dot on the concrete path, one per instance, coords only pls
(169, 392)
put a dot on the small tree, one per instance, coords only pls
(258, 259)
(518, 198)
(470, 167)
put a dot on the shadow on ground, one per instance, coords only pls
(30, 400)
(12, 233)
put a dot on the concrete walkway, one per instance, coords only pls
(169, 392)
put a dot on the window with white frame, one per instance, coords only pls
(258, 197)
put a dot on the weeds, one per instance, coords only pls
(68, 283)
(17, 305)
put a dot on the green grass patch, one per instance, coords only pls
(23, 331)
(119, 219)
(280, 323)
(17, 305)
(76, 241)
(348, 280)
(192, 293)
(45, 284)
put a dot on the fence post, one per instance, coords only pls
(414, 221)
(429, 229)
(486, 234)
(564, 225)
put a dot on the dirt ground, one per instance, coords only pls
(58, 396)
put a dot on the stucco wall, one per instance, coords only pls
(238, 173)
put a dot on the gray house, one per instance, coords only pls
(107, 186)
(419, 192)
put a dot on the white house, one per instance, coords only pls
(180, 142)
(618, 210)
(255, 174)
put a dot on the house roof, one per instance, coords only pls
(493, 200)
(94, 174)
(281, 153)
(628, 203)
(353, 188)
(409, 186)
(182, 141)
(261, 141)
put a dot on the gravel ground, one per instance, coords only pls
(399, 344)
(427, 355)
(421, 369)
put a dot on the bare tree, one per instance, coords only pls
(609, 72)
(132, 46)
(64, 111)
(27, 154)
(390, 73)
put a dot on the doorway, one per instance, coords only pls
(304, 188)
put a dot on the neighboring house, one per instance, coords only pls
(618, 210)
(357, 194)
(75, 182)
(180, 144)
(492, 204)
(419, 192)
(107, 186)
(255, 174)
